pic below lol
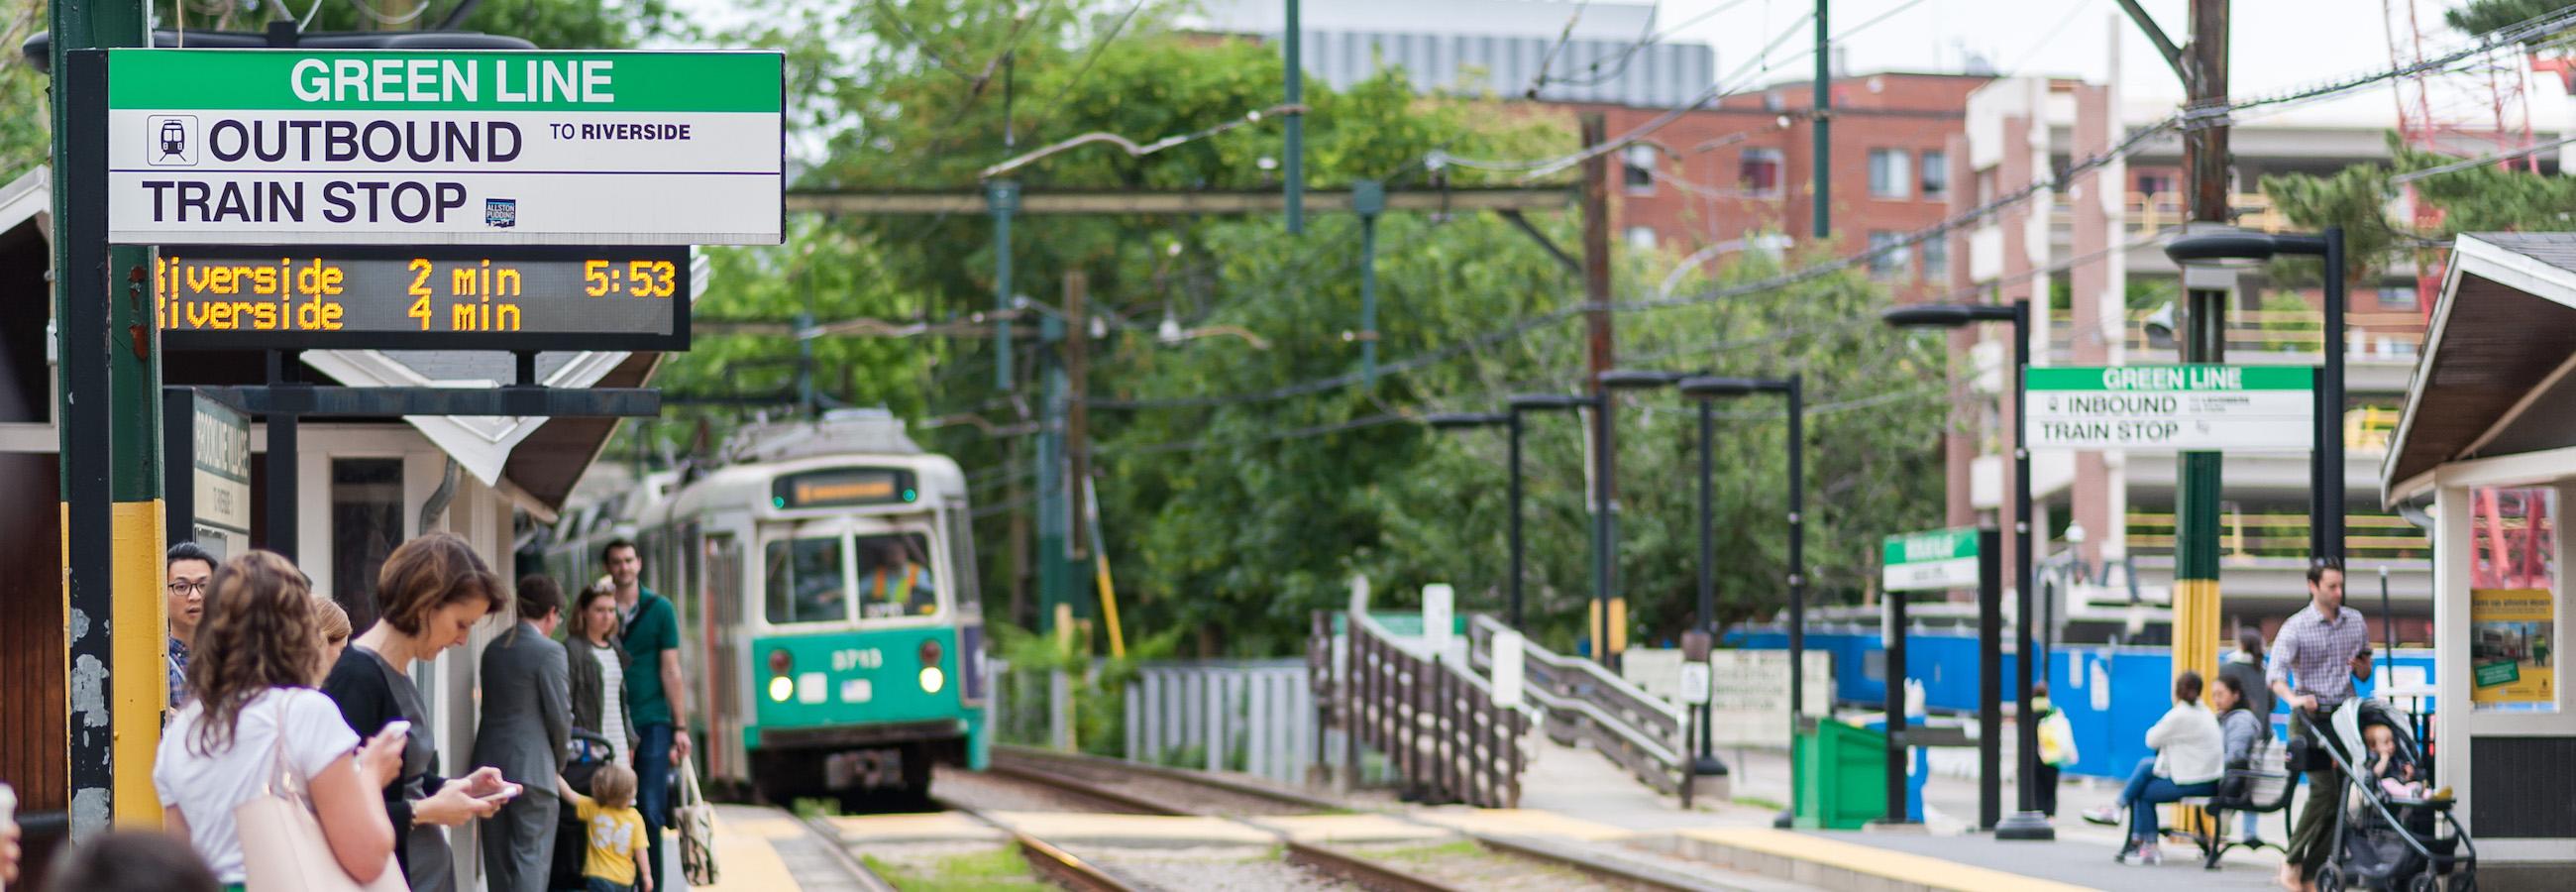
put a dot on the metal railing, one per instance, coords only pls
(1250, 716)
(2245, 537)
(1443, 735)
(1581, 701)
(2390, 337)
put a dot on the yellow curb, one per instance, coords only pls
(916, 827)
(1061, 827)
(1862, 859)
(744, 859)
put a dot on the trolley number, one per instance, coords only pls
(857, 658)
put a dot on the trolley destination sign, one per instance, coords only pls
(1939, 559)
(2172, 407)
(352, 148)
(230, 298)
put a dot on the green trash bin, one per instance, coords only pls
(1841, 776)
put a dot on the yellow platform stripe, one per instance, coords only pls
(1873, 861)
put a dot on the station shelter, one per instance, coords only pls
(364, 486)
(2486, 445)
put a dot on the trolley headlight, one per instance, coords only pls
(781, 665)
(932, 679)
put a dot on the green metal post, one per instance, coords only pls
(1368, 198)
(1002, 199)
(1824, 126)
(1293, 165)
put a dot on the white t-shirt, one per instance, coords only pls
(206, 787)
(612, 693)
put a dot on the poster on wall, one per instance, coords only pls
(2511, 656)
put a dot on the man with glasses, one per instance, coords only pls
(189, 567)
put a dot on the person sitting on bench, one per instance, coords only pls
(2190, 758)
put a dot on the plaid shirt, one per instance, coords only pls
(2319, 654)
(178, 666)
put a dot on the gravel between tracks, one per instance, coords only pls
(1209, 868)
(1465, 865)
(987, 793)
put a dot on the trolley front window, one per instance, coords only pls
(894, 577)
(806, 583)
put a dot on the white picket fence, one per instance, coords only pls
(1251, 716)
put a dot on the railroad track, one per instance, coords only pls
(1153, 790)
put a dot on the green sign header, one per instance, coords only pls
(591, 81)
(1937, 545)
(2172, 377)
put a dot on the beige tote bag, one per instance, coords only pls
(283, 849)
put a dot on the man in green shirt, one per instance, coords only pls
(656, 691)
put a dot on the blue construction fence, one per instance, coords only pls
(2111, 695)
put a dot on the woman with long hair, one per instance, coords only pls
(598, 669)
(429, 594)
(253, 712)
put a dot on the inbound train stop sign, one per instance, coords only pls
(289, 147)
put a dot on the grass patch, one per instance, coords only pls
(999, 870)
(816, 808)
(1758, 802)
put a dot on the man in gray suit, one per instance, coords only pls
(527, 717)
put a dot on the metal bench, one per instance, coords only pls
(2262, 786)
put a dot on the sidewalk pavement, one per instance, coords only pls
(1584, 785)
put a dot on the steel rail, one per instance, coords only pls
(857, 869)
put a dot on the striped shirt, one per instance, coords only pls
(2318, 654)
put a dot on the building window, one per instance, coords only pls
(2401, 297)
(1887, 259)
(2155, 183)
(1936, 175)
(1757, 171)
(1637, 172)
(1889, 173)
(1936, 257)
(1641, 238)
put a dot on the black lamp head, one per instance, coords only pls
(1944, 315)
(1462, 420)
(1708, 386)
(1636, 379)
(1548, 402)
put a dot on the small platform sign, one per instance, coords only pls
(282, 147)
(2189, 408)
(1931, 561)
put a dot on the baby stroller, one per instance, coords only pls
(2381, 841)
(586, 751)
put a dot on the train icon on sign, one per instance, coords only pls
(170, 141)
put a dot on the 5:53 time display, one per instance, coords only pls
(636, 278)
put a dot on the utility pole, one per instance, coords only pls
(1824, 123)
(1001, 200)
(1055, 602)
(110, 445)
(1608, 609)
(1077, 413)
(1293, 164)
(2202, 66)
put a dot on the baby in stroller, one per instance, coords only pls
(2391, 833)
(2393, 767)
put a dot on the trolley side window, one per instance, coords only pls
(895, 579)
(961, 558)
(806, 581)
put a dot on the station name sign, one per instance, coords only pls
(219, 297)
(2172, 407)
(1933, 560)
(289, 147)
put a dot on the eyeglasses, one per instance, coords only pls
(181, 588)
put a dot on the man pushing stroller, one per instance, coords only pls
(2311, 670)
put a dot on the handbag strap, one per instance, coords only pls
(689, 794)
(283, 781)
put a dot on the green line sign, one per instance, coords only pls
(2176, 407)
(277, 147)
(1939, 559)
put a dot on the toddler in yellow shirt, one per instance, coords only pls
(615, 831)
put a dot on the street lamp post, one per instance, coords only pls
(2233, 248)
(1511, 421)
(1707, 390)
(1559, 402)
(2028, 823)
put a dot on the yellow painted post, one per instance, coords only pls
(139, 660)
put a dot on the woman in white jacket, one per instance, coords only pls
(2190, 758)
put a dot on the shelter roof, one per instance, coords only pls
(2493, 378)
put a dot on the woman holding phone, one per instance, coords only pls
(251, 707)
(429, 594)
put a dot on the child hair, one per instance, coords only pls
(613, 785)
(333, 620)
(132, 861)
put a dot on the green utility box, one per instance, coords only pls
(1841, 776)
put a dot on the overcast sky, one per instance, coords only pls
(2276, 44)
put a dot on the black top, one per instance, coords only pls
(370, 694)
